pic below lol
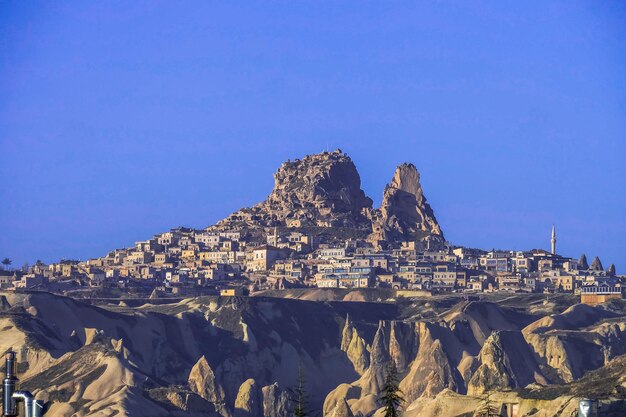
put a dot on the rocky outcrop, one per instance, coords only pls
(355, 347)
(202, 382)
(275, 401)
(346, 334)
(580, 339)
(342, 409)
(431, 370)
(506, 362)
(402, 344)
(426, 356)
(342, 392)
(372, 381)
(607, 384)
(318, 190)
(188, 402)
(249, 402)
(611, 271)
(404, 213)
(324, 190)
(596, 264)
(178, 358)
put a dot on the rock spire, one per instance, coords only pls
(404, 213)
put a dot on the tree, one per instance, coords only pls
(582, 262)
(487, 409)
(6, 262)
(299, 397)
(391, 396)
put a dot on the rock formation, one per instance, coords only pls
(611, 271)
(319, 190)
(324, 191)
(431, 371)
(202, 382)
(276, 402)
(596, 264)
(506, 362)
(355, 347)
(194, 357)
(404, 213)
(249, 401)
(341, 410)
(576, 341)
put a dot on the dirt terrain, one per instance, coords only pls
(240, 356)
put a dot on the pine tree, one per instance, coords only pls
(299, 397)
(487, 409)
(391, 396)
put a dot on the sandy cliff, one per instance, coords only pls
(215, 356)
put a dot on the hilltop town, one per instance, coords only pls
(318, 229)
(340, 290)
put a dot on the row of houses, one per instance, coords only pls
(185, 257)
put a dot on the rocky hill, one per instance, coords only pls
(404, 213)
(324, 191)
(319, 190)
(235, 357)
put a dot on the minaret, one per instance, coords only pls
(553, 240)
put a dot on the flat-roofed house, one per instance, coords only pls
(263, 257)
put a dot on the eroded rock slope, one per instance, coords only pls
(241, 356)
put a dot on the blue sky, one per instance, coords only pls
(119, 120)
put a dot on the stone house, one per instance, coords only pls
(332, 253)
(231, 235)
(96, 276)
(509, 282)
(6, 279)
(168, 239)
(30, 281)
(263, 257)
(161, 258)
(209, 240)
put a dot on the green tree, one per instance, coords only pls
(390, 396)
(488, 408)
(300, 397)
(6, 262)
